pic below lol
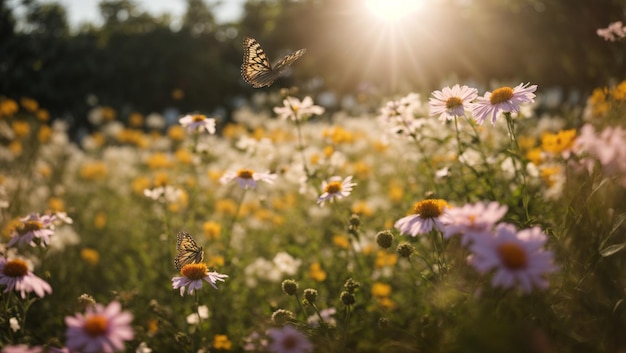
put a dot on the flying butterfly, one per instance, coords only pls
(256, 68)
(188, 251)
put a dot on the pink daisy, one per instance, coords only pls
(289, 340)
(247, 178)
(424, 216)
(192, 277)
(15, 275)
(100, 329)
(472, 220)
(451, 102)
(34, 230)
(518, 258)
(503, 99)
(335, 188)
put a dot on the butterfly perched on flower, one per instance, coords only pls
(188, 251)
(256, 68)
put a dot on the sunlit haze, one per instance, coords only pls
(391, 10)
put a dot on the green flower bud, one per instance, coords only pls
(384, 239)
(282, 316)
(347, 298)
(355, 221)
(310, 295)
(383, 322)
(290, 287)
(405, 250)
(351, 285)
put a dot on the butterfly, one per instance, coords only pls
(188, 251)
(256, 68)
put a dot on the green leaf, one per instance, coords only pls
(612, 249)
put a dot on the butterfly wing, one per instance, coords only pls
(288, 60)
(188, 251)
(256, 68)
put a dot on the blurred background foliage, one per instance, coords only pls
(135, 61)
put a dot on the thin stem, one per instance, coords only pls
(300, 305)
(346, 325)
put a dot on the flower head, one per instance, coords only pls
(192, 277)
(503, 99)
(247, 178)
(295, 110)
(15, 275)
(335, 188)
(99, 329)
(400, 115)
(34, 230)
(451, 102)
(608, 147)
(518, 258)
(198, 122)
(424, 216)
(289, 340)
(615, 30)
(472, 220)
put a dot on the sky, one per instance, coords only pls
(87, 10)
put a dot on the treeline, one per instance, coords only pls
(136, 61)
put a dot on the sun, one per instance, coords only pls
(391, 10)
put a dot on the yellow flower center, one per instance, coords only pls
(431, 208)
(453, 102)
(194, 271)
(245, 174)
(333, 187)
(501, 95)
(30, 226)
(15, 268)
(96, 325)
(513, 256)
(198, 117)
(295, 108)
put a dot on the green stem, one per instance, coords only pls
(300, 305)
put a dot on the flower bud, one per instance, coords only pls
(405, 250)
(347, 298)
(384, 239)
(290, 287)
(282, 316)
(351, 285)
(310, 295)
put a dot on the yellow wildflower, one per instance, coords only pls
(8, 107)
(212, 230)
(56, 204)
(381, 290)
(559, 142)
(222, 342)
(42, 115)
(93, 170)
(20, 128)
(384, 259)
(176, 133)
(316, 272)
(100, 220)
(341, 241)
(29, 104)
(159, 160)
(90, 256)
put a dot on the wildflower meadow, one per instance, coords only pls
(467, 219)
